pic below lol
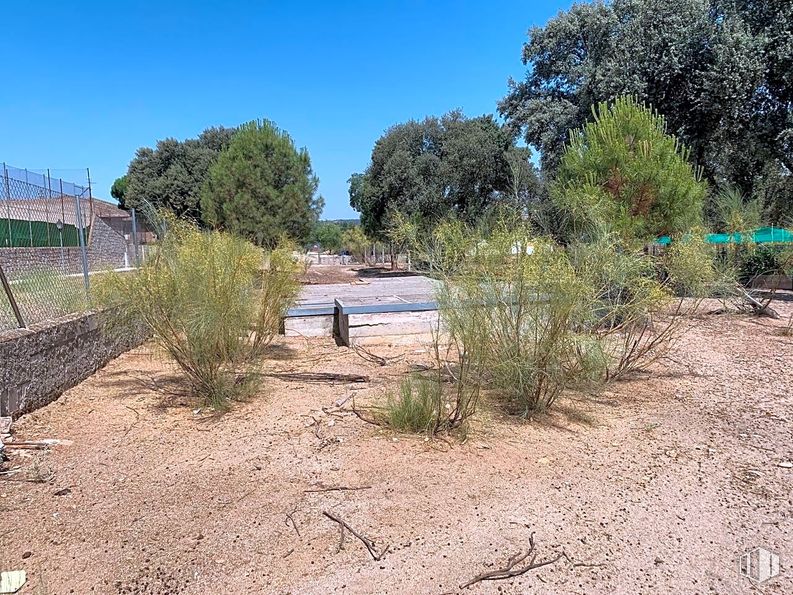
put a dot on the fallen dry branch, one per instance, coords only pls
(512, 569)
(373, 357)
(291, 519)
(367, 542)
(370, 420)
(336, 489)
(319, 377)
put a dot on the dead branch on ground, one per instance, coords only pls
(291, 519)
(318, 377)
(512, 570)
(359, 414)
(366, 541)
(380, 360)
(336, 489)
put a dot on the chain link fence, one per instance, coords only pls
(54, 236)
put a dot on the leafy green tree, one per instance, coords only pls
(262, 187)
(441, 166)
(719, 71)
(354, 240)
(328, 235)
(119, 189)
(171, 175)
(622, 173)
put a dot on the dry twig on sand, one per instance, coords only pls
(512, 570)
(318, 377)
(291, 519)
(336, 489)
(361, 351)
(366, 541)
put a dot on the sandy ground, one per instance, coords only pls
(656, 485)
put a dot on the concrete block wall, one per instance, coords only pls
(39, 363)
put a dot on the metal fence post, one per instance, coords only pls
(81, 239)
(135, 237)
(8, 204)
(30, 212)
(11, 300)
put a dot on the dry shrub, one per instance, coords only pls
(516, 314)
(643, 303)
(207, 303)
(527, 318)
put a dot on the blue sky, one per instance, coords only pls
(84, 84)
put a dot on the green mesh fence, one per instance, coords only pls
(18, 233)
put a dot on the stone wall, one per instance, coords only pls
(106, 250)
(39, 363)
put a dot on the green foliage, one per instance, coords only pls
(719, 71)
(262, 187)
(430, 169)
(623, 173)
(533, 302)
(328, 235)
(732, 212)
(172, 175)
(415, 408)
(119, 190)
(355, 241)
(689, 265)
(762, 259)
(208, 304)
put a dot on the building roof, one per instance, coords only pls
(55, 209)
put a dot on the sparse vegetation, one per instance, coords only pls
(212, 302)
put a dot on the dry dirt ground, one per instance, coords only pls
(327, 274)
(654, 486)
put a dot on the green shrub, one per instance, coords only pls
(760, 260)
(688, 264)
(200, 298)
(622, 172)
(416, 407)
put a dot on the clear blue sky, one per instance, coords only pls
(84, 84)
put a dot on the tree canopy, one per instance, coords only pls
(441, 166)
(720, 71)
(119, 189)
(622, 173)
(171, 175)
(262, 187)
(328, 234)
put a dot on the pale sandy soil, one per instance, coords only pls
(658, 483)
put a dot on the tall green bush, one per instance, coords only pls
(212, 302)
(622, 172)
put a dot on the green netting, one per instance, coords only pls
(763, 235)
(18, 233)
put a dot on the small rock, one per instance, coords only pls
(786, 465)
(27, 555)
(62, 492)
